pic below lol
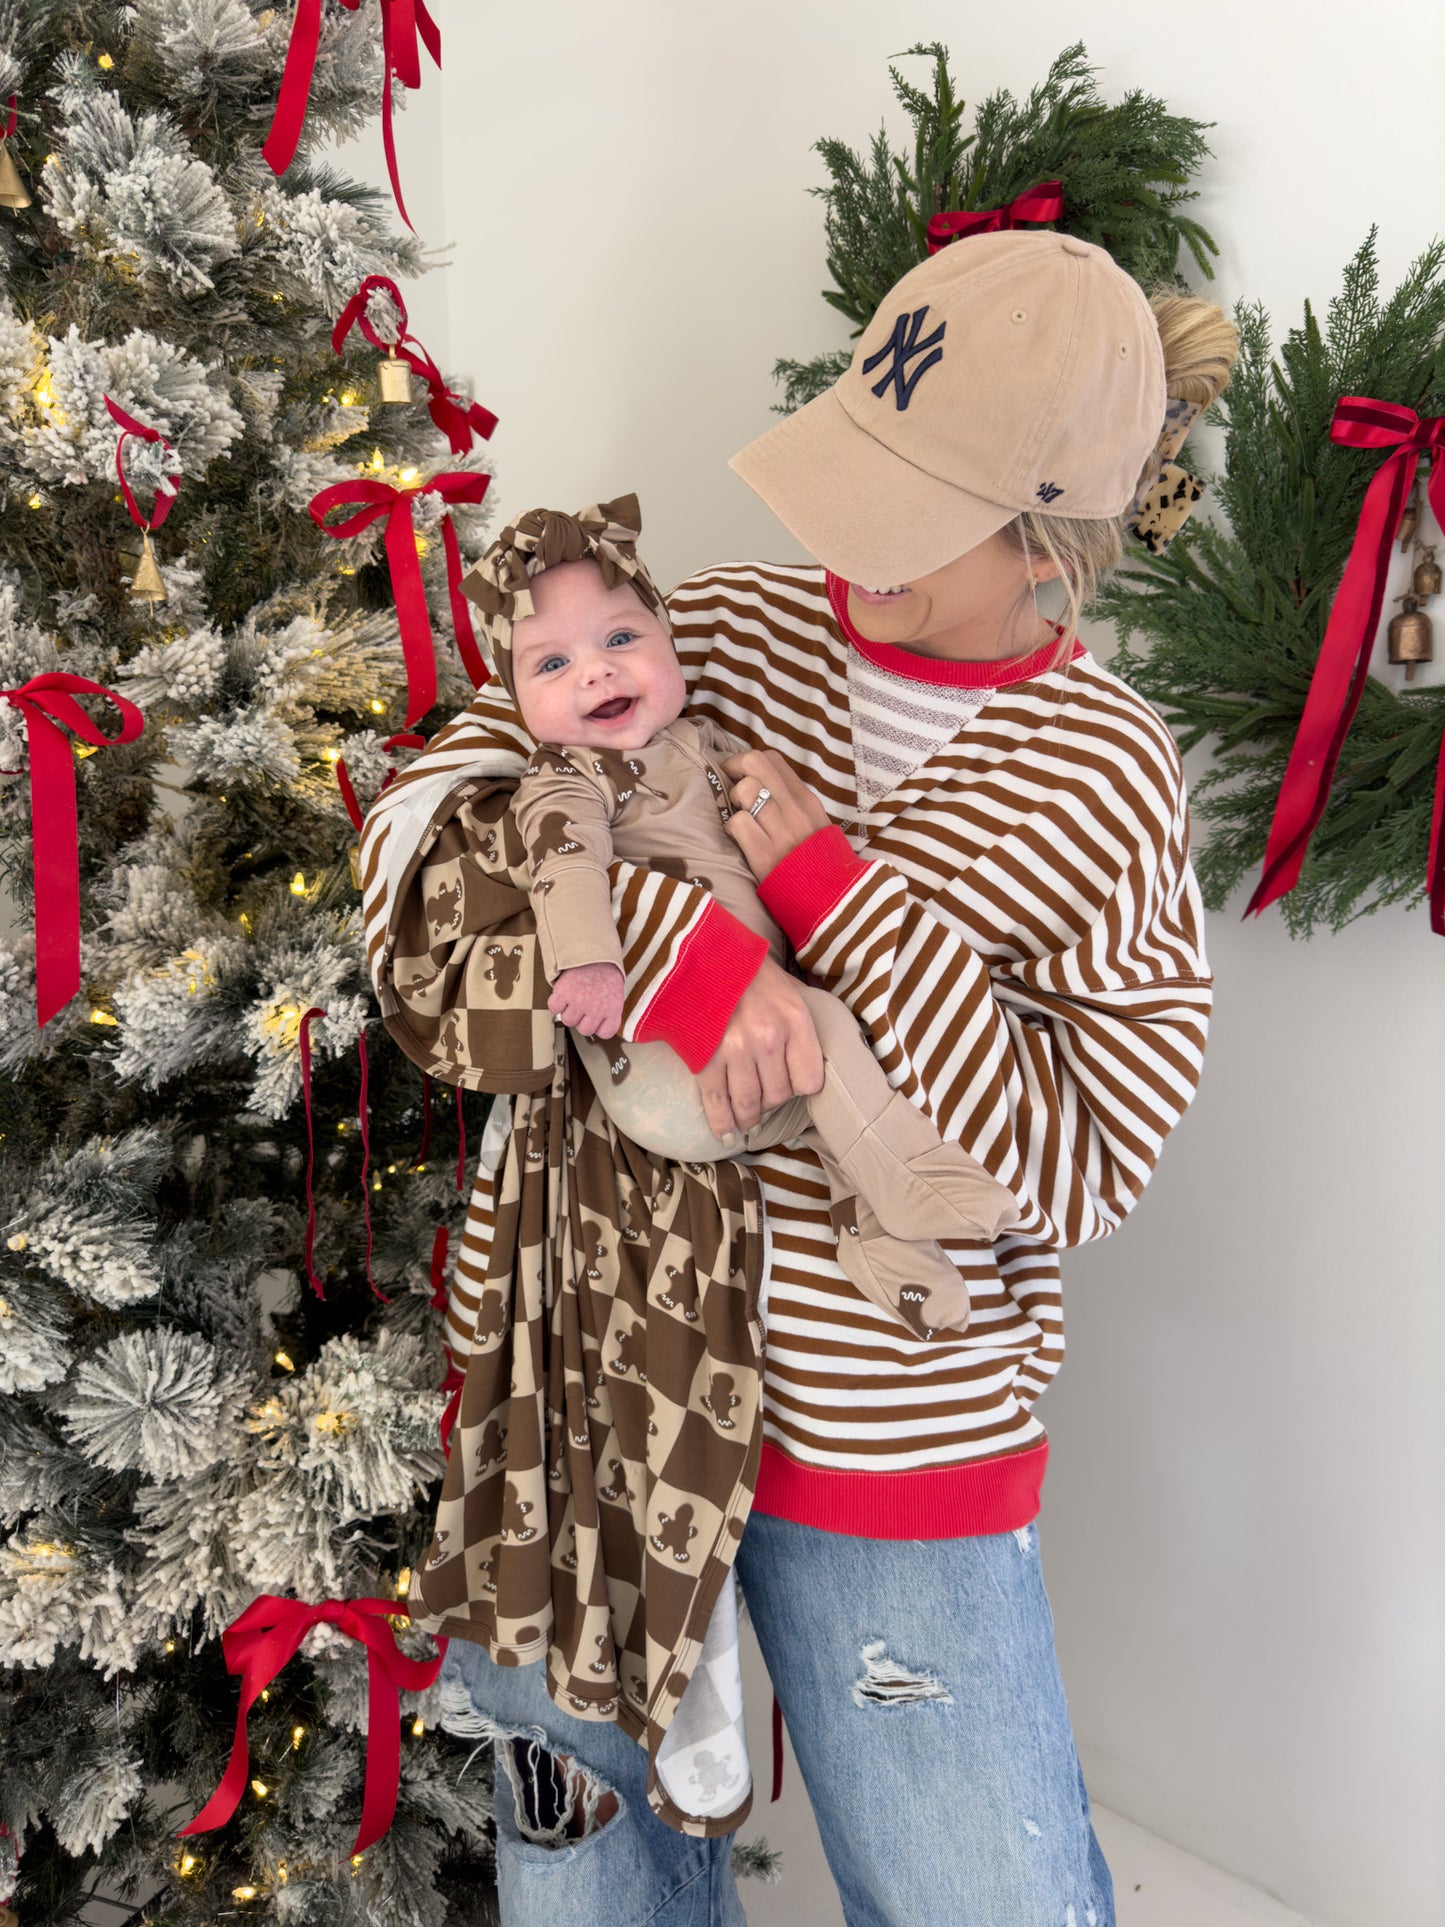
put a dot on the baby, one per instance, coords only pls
(580, 637)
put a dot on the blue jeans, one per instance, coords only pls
(922, 1694)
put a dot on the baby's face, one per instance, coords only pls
(593, 665)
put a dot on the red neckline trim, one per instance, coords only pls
(938, 669)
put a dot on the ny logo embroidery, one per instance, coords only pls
(1049, 491)
(903, 344)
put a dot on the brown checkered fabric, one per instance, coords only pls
(606, 1451)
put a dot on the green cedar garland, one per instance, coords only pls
(1235, 617)
(1125, 171)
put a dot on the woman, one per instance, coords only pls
(978, 838)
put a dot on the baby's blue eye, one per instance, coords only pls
(621, 635)
(542, 666)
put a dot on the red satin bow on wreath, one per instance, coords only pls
(1343, 665)
(456, 417)
(378, 498)
(1042, 203)
(403, 23)
(261, 1642)
(46, 702)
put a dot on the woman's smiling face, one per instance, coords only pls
(593, 665)
(981, 596)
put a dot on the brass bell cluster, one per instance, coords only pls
(1411, 633)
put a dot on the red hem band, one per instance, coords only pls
(943, 669)
(719, 958)
(945, 1502)
(801, 890)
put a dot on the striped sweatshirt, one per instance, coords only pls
(1018, 927)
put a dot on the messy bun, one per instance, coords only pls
(1199, 343)
(1200, 349)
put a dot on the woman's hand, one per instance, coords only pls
(768, 1053)
(788, 818)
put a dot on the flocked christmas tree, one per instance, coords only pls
(184, 1422)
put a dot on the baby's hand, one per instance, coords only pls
(589, 998)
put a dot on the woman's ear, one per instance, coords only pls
(1043, 568)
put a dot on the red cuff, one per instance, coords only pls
(719, 959)
(799, 892)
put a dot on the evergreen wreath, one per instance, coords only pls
(1125, 171)
(1235, 617)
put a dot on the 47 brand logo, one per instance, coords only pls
(1048, 491)
(903, 344)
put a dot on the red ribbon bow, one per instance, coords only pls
(166, 492)
(1042, 203)
(46, 702)
(259, 1644)
(456, 417)
(1343, 664)
(380, 498)
(402, 21)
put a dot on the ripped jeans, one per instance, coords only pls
(922, 1694)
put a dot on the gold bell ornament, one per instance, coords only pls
(12, 188)
(1410, 519)
(1428, 577)
(394, 378)
(1412, 636)
(148, 583)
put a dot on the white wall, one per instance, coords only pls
(1242, 1527)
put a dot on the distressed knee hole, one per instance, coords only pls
(557, 1801)
(1027, 1538)
(886, 1683)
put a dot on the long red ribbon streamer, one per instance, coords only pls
(265, 1638)
(305, 1040)
(1042, 203)
(46, 702)
(402, 21)
(1343, 664)
(166, 492)
(10, 121)
(457, 418)
(376, 499)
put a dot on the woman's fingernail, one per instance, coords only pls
(730, 1138)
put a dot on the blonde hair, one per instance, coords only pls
(1200, 349)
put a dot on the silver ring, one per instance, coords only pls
(763, 796)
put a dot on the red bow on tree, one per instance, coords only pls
(380, 498)
(1042, 203)
(260, 1643)
(46, 702)
(402, 23)
(456, 417)
(1343, 664)
(166, 490)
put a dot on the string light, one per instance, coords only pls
(99, 1016)
(418, 1727)
(357, 1858)
(36, 503)
(18, 1242)
(348, 400)
(298, 1734)
(285, 1363)
(377, 459)
(298, 884)
(104, 60)
(331, 755)
(170, 1645)
(410, 475)
(243, 1893)
(403, 1580)
(260, 1789)
(377, 706)
(186, 1863)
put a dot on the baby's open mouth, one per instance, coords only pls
(608, 712)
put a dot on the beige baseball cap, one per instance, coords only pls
(1007, 372)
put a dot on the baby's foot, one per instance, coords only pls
(912, 1279)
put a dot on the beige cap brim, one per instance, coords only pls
(863, 511)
